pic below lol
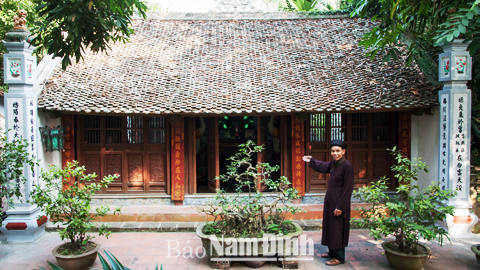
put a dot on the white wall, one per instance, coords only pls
(425, 136)
(45, 71)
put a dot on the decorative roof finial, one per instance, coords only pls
(19, 33)
(235, 6)
(20, 20)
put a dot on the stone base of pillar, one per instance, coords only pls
(460, 225)
(21, 225)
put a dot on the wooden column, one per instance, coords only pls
(69, 154)
(261, 139)
(177, 161)
(298, 151)
(213, 154)
(405, 130)
(191, 166)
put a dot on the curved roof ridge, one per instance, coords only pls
(241, 16)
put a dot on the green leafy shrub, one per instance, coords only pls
(409, 214)
(69, 204)
(13, 157)
(251, 214)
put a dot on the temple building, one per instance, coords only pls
(168, 108)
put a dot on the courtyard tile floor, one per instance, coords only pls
(140, 251)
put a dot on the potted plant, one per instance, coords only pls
(65, 196)
(407, 215)
(248, 214)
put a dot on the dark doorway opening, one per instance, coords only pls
(234, 131)
(218, 138)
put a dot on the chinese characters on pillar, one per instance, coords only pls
(404, 143)
(461, 143)
(298, 151)
(16, 121)
(32, 115)
(444, 147)
(69, 153)
(177, 160)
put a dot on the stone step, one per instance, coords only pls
(189, 213)
(307, 225)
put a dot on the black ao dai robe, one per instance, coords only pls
(336, 230)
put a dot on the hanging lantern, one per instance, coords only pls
(53, 138)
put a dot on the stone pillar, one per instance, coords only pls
(21, 116)
(455, 123)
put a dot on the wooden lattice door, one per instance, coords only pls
(134, 147)
(368, 135)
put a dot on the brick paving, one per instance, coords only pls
(142, 250)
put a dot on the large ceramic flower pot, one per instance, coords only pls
(476, 249)
(401, 261)
(280, 243)
(76, 262)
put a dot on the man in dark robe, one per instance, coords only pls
(336, 209)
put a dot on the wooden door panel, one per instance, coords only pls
(92, 165)
(380, 167)
(135, 173)
(318, 181)
(157, 167)
(359, 162)
(113, 165)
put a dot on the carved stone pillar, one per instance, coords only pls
(455, 120)
(21, 117)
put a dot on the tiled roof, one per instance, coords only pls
(237, 66)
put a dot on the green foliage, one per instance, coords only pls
(475, 157)
(462, 22)
(253, 213)
(72, 26)
(408, 215)
(13, 157)
(409, 24)
(316, 7)
(70, 204)
(211, 228)
(420, 27)
(304, 5)
(111, 263)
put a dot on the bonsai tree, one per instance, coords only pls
(251, 214)
(409, 214)
(69, 204)
(13, 157)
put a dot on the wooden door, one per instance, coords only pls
(155, 153)
(133, 147)
(368, 135)
(213, 153)
(318, 128)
